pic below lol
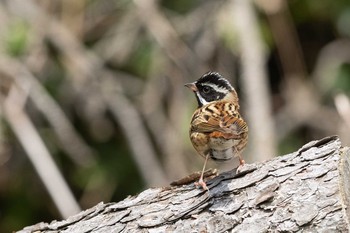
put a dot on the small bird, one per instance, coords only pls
(217, 129)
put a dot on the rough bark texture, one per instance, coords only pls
(307, 191)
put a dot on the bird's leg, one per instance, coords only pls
(241, 161)
(201, 181)
(241, 164)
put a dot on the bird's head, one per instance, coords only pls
(212, 87)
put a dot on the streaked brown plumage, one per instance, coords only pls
(217, 130)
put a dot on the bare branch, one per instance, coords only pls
(342, 103)
(130, 121)
(330, 58)
(38, 153)
(165, 130)
(167, 37)
(71, 141)
(285, 37)
(86, 68)
(73, 15)
(254, 80)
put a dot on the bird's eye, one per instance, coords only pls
(206, 89)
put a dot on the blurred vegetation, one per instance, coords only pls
(102, 84)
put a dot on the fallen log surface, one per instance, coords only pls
(307, 190)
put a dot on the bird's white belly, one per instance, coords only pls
(222, 155)
(222, 149)
(222, 144)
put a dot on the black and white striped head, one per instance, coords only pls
(212, 87)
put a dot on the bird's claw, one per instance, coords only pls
(202, 184)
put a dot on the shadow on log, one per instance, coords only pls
(307, 190)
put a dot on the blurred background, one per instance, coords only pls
(92, 102)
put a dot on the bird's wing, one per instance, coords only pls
(228, 126)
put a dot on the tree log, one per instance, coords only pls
(307, 190)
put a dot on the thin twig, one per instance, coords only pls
(285, 37)
(86, 68)
(71, 141)
(165, 130)
(139, 143)
(167, 37)
(330, 58)
(130, 121)
(342, 104)
(254, 80)
(73, 15)
(37, 152)
(118, 42)
(187, 63)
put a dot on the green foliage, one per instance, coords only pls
(180, 6)
(141, 60)
(342, 80)
(306, 11)
(17, 38)
(343, 22)
(290, 143)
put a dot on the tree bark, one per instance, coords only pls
(307, 190)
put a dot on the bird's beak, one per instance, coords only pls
(192, 86)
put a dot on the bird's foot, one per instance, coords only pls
(241, 161)
(240, 168)
(202, 184)
(210, 173)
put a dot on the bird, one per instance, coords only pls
(217, 130)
